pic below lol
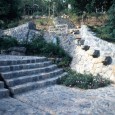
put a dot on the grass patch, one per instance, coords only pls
(83, 81)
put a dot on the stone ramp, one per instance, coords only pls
(61, 100)
(25, 73)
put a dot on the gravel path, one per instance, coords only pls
(60, 100)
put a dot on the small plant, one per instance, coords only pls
(64, 62)
(83, 81)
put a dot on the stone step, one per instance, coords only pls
(1, 84)
(33, 78)
(4, 93)
(34, 85)
(15, 74)
(5, 62)
(24, 66)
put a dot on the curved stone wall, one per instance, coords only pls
(105, 48)
(96, 56)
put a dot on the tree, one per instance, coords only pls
(111, 20)
(78, 6)
(90, 5)
(10, 9)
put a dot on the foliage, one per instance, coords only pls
(90, 5)
(7, 42)
(65, 62)
(43, 6)
(9, 11)
(104, 32)
(84, 81)
(12, 24)
(31, 7)
(110, 27)
(2, 24)
(39, 46)
(41, 21)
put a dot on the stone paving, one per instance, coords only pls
(61, 100)
(10, 106)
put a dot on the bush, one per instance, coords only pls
(12, 24)
(84, 81)
(1, 24)
(107, 32)
(39, 46)
(7, 42)
(64, 62)
(102, 32)
(111, 21)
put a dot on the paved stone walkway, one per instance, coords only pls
(10, 106)
(60, 100)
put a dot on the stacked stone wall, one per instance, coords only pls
(105, 48)
(98, 59)
(21, 32)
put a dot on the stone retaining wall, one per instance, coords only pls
(21, 32)
(84, 62)
(96, 56)
(96, 43)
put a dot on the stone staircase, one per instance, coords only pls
(3, 92)
(59, 21)
(28, 73)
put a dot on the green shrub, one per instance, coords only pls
(84, 81)
(64, 62)
(102, 32)
(110, 27)
(12, 24)
(1, 24)
(39, 46)
(37, 13)
(7, 42)
(107, 32)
